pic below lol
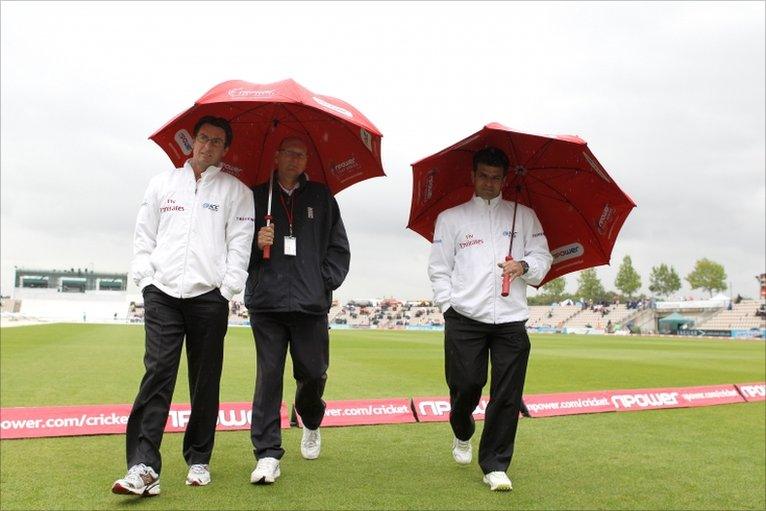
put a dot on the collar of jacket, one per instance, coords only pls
(302, 179)
(206, 174)
(492, 203)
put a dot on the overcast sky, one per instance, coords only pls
(669, 96)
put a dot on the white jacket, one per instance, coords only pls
(469, 241)
(194, 236)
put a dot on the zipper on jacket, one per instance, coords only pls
(188, 239)
(494, 280)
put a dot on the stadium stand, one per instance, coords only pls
(388, 314)
(742, 315)
(554, 316)
(87, 296)
(88, 306)
(601, 316)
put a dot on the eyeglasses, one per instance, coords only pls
(293, 154)
(215, 141)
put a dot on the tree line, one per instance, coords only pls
(663, 282)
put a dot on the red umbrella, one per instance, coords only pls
(579, 205)
(344, 144)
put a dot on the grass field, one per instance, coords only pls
(703, 458)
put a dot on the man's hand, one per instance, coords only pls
(265, 236)
(512, 268)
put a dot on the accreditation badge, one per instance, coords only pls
(291, 246)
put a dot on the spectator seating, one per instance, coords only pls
(618, 314)
(741, 316)
(551, 316)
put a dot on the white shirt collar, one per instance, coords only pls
(289, 192)
(207, 173)
(491, 203)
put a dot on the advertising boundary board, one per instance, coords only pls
(58, 421)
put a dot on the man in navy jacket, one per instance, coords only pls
(288, 297)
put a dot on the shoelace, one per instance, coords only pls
(268, 464)
(311, 438)
(198, 468)
(462, 445)
(136, 475)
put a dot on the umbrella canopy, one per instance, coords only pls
(579, 205)
(344, 146)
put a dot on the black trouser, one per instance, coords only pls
(467, 344)
(203, 321)
(309, 344)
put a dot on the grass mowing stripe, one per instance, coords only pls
(57, 364)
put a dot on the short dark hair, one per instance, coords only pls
(218, 122)
(491, 156)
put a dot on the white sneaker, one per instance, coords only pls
(498, 481)
(199, 475)
(266, 471)
(140, 480)
(311, 443)
(462, 451)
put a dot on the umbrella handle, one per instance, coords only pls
(506, 281)
(267, 248)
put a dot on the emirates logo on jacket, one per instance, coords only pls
(470, 241)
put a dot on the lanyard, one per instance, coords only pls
(288, 213)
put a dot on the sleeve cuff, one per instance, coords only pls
(226, 293)
(144, 282)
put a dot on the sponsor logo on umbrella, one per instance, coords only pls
(346, 169)
(184, 141)
(334, 108)
(571, 251)
(230, 169)
(366, 138)
(428, 187)
(606, 218)
(239, 92)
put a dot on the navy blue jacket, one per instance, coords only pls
(302, 283)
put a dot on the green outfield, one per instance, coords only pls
(702, 458)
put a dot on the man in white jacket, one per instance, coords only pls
(191, 250)
(466, 268)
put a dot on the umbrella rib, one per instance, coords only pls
(548, 167)
(537, 154)
(294, 123)
(255, 109)
(346, 126)
(565, 199)
(514, 150)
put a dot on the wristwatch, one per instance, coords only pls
(525, 266)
